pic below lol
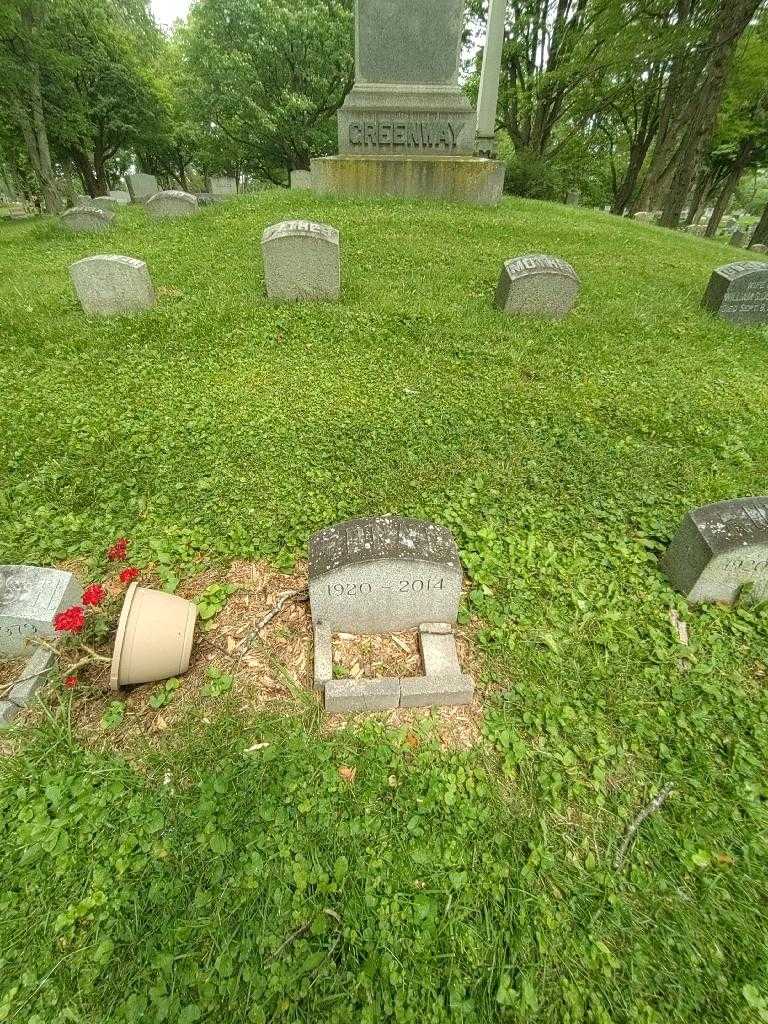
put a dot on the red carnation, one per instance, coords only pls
(70, 681)
(118, 550)
(71, 620)
(129, 575)
(94, 594)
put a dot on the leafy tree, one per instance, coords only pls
(269, 76)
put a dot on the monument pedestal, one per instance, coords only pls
(463, 179)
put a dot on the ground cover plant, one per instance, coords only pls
(266, 868)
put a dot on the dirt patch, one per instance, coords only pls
(270, 669)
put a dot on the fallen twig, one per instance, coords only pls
(680, 627)
(646, 812)
(291, 938)
(290, 595)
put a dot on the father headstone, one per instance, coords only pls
(141, 186)
(301, 179)
(87, 219)
(738, 292)
(30, 598)
(107, 285)
(719, 549)
(407, 128)
(537, 285)
(382, 575)
(171, 204)
(301, 261)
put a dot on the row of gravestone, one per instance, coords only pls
(738, 237)
(386, 574)
(302, 262)
(98, 216)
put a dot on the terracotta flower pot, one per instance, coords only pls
(154, 637)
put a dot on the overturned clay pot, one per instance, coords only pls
(154, 637)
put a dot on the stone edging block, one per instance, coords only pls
(33, 676)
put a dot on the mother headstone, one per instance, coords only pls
(30, 598)
(107, 285)
(718, 549)
(301, 261)
(738, 292)
(537, 285)
(171, 204)
(86, 219)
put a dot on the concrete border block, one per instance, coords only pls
(34, 674)
(323, 670)
(8, 711)
(436, 691)
(343, 696)
(439, 654)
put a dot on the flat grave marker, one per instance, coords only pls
(738, 292)
(719, 549)
(109, 284)
(301, 261)
(537, 285)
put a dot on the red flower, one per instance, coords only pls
(129, 575)
(70, 681)
(118, 550)
(94, 594)
(71, 620)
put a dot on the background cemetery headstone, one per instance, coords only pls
(407, 128)
(301, 261)
(758, 247)
(98, 202)
(121, 197)
(381, 575)
(30, 598)
(738, 238)
(110, 284)
(573, 198)
(171, 203)
(720, 550)
(86, 219)
(537, 285)
(697, 229)
(141, 186)
(738, 292)
(223, 187)
(301, 179)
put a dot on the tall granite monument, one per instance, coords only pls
(406, 128)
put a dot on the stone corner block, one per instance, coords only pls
(33, 676)
(8, 711)
(438, 652)
(323, 668)
(437, 691)
(343, 696)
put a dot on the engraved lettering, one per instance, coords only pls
(355, 133)
(399, 133)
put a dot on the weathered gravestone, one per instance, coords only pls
(121, 197)
(223, 187)
(108, 285)
(738, 238)
(407, 128)
(645, 216)
(696, 229)
(86, 219)
(301, 179)
(738, 292)
(301, 261)
(171, 204)
(537, 285)
(30, 598)
(382, 575)
(719, 549)
(141, 186)
(573, 198)
(758, 247)
(99, 202)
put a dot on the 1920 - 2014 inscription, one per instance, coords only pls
(403, 586)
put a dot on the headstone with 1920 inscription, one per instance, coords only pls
(30, 598)
(537, 285)
(738, 292)
(719, 550)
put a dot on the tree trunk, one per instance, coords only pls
(637, 154)
(697, 199)
(760, 234)
(87, 173)
(729, 186)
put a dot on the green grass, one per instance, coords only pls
(203, 883)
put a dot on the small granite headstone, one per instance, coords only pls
(86, 219)
(383, 574)
(537, 285)
(301, 179)
(738, 292)
(758, 247)
(141, 186)
(171, 204)
(223, 187)
(738, 238)
(573, 198)
(646, 216)
(121, 197)
(301, 261)
(697, 229)
(30, 598)
(99, 203)
(718, 549)
(108, 285)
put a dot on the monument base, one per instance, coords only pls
(463, 179)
